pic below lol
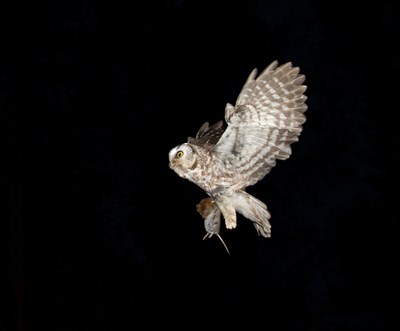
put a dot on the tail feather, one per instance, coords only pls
(255, 210)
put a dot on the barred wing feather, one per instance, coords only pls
(266, 119)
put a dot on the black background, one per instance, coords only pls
(97, 233)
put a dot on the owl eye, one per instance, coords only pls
(179, 154)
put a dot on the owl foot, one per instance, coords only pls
(210, 234)
(230, 224)
(228, 211)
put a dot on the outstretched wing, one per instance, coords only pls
(265, 121)
(208, 136)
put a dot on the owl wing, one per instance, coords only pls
(208, 136)
(266, 119)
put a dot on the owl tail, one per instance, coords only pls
(255, 210)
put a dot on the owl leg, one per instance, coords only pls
(229, 214)
(228, 211)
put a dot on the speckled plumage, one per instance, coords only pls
(266, 119)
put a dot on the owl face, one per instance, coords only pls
(182, 158)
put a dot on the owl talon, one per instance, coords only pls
(230, 225)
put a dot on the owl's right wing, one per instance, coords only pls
(265, 121)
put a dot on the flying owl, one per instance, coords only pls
(266, 119)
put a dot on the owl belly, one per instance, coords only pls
(210, 181)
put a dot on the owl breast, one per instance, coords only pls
(208, 172)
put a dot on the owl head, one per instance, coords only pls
(182, 158)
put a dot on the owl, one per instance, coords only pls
(266, 119)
